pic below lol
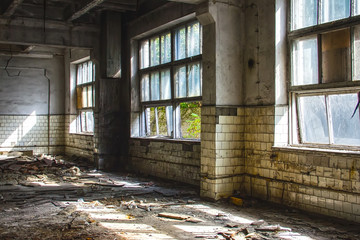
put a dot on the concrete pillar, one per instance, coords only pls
(222, 162)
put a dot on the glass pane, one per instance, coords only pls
(180, 82)
(90, 71)
(193, 41)
(194, 80)
(83, 121)
(89, 121)
(155, 86)
(313, 121)
(159, 121)
(304, 13)
(304, 67)
(144, 54)
(166, 48)
(180, 43)
(346, 130)
(85, 73)
(145, 88)
(190, 114)
(79, 74)
(165, 85)
(89, 96)
(356, 53)
(332, 10)
(154, 51)
(84, 97)
(336, 63)
(356, 10)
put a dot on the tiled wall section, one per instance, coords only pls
(175, 160)
(222, 151)
(30, 132)
(78, 144)
(316, 181)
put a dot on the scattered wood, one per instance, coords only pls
(273, 228)
(182, 217)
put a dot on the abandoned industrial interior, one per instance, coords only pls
(181, 119)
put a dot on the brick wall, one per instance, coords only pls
(324, 182)
(175, 160)
(222, 151)
(30, 132)
(78, 144)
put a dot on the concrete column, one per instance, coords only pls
(223, 79)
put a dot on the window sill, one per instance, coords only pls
(157, 139)
(307, 149)
(83, 134)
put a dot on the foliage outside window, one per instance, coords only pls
(170, 83)
(325, 75)
(85, 90)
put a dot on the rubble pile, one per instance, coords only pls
(17, 168)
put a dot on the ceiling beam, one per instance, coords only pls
(85, 9)
(12, 8)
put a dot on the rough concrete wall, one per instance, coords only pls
(24, 89)
(259, 57)
(174, 160)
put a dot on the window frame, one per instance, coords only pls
(79, 91)
(173, 101)
(319, 88)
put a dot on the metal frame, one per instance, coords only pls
(324, 89)
(173, 101)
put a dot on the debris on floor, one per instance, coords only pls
(57, 197)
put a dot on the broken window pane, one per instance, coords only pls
(166, 48)
(346, 130)
(159, 121)
(356, 53)
(336, 66)
(155, 86)
(193, 41)
(304, 13)
(304, 68)
(145, 88)
(194, 80)
(180, 43)
(180, 82)
(332, 10)
(165, 85)
(144, 54)
(154, 51)
(313, 120)
(190, 117)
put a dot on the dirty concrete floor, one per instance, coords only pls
(47, 198)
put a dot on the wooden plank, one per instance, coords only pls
(12, 8)
(85, 9)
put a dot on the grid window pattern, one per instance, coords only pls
(324, 41)
(85, 90)
(170, 82)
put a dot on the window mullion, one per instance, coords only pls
(329, 119)
(320, 70)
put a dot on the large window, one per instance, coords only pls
(170, 81)
(324, 41)
(85, 91)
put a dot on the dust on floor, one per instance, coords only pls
(45, 197)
